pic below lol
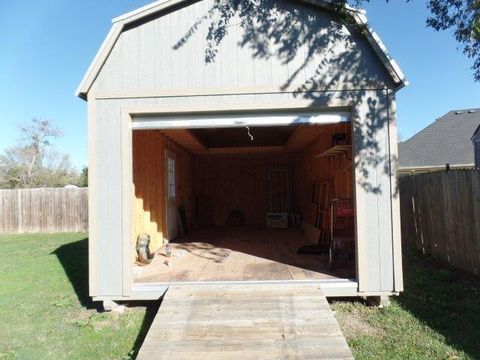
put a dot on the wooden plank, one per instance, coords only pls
(220, 322)
(302, 136)
(248, 354)
(475, 194)
(7, 210)
(187, 139)
(22, 210)
(44, 221)
(246, 150)
(13, 215)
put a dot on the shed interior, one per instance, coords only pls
(252, 197)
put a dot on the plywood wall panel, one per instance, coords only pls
(149, 183)
(237, 182)
(241, 181)
(337, 170)
(171, 50)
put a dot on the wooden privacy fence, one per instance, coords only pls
(441, 216)
(43, 210)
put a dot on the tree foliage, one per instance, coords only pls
(463, 17)
(33, 162)
(460, 16)
(83, 179)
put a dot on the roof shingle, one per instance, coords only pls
(447, 140)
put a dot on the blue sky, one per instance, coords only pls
(47, 46)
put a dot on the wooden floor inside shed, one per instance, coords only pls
(240, 254)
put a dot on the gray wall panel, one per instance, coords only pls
(301, 45)
(114, 199)
(384, 201)
(108, 199)
(102, 239)
(372, 193)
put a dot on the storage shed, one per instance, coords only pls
(237, 132)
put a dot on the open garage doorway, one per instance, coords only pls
(244, 203)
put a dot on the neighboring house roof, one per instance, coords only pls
(447, 140)
(121, 22)
(476, 133)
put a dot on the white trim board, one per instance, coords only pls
(330, 287)
(190, 121)
(154, 291)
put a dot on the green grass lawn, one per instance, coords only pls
(45, 312)
(436, 317)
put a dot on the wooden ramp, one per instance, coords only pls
(254, 321)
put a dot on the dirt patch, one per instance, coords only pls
(355, 324)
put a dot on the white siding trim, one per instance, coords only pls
(146, 10)
(98, 61)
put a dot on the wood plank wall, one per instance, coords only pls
(43, 210)
(150, 186)
(440, 215)
(230, 181)
(241, 182)
(308, 170)
(237, 182)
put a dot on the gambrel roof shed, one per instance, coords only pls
(262, 109)
(122, 22)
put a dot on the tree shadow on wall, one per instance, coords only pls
(329, 63)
